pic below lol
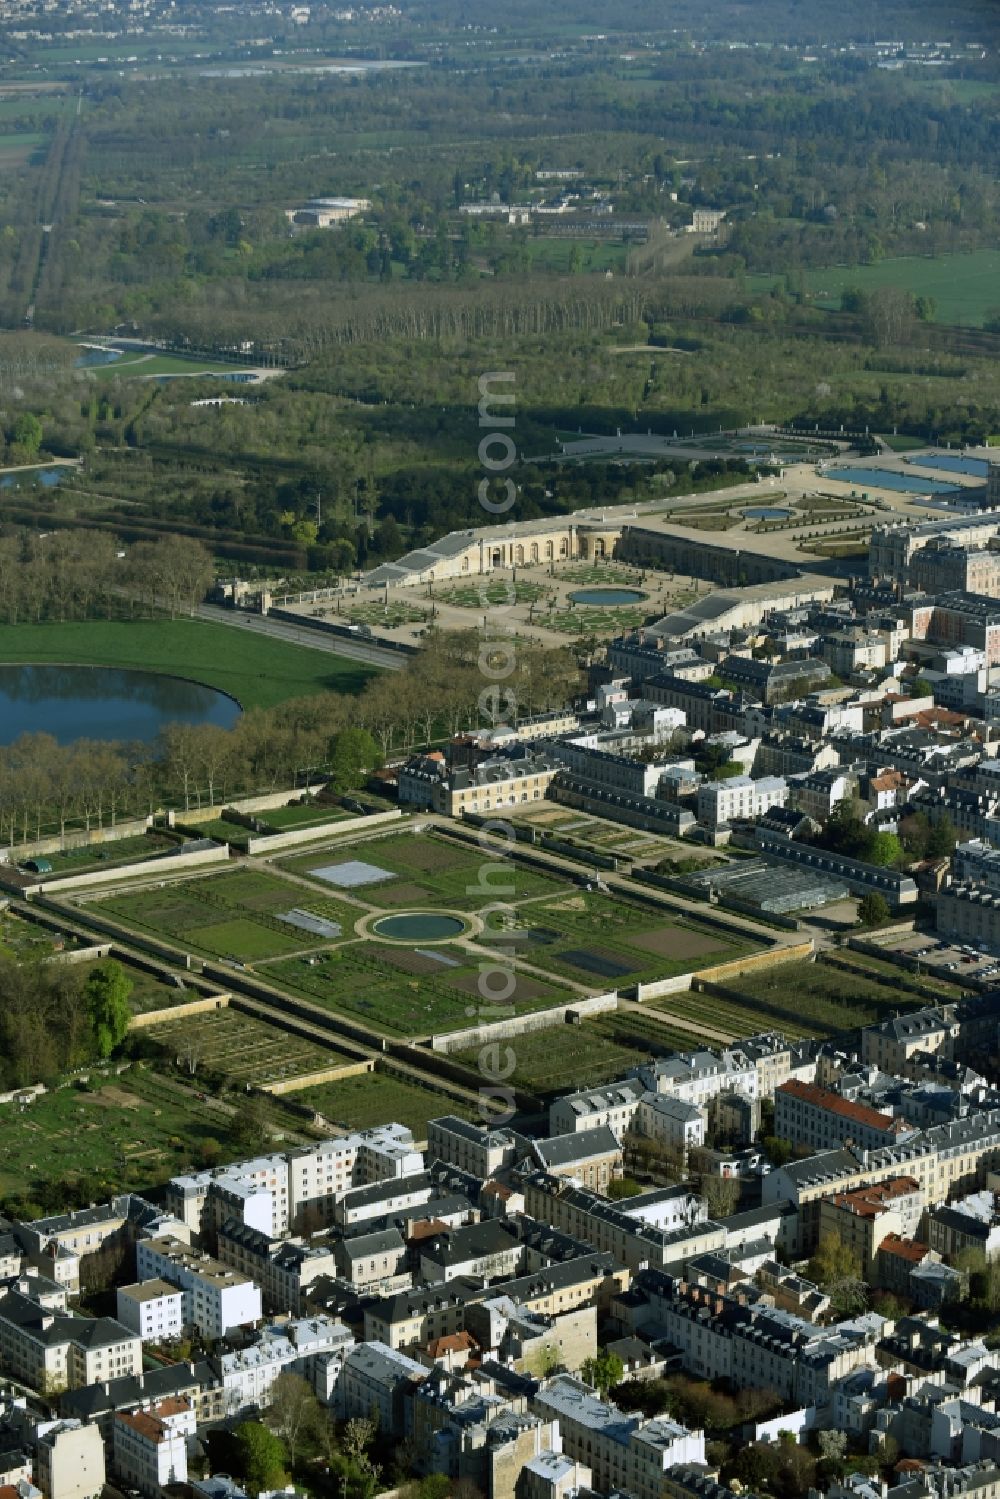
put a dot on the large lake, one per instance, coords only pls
(99, 702)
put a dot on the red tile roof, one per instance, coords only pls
(854, 1113)
(904, 1249)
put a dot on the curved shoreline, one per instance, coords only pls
(138, 671)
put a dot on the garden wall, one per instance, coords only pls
(276, 842)
(269, 801)
(173, 956)
(175, 1012)
(314, 1079)
(148, 869)
(722, 972)
(521, 1025)
(63, 843)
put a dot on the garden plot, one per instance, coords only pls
(318, 926)
(588, 936)
(800, 999)
(240, 915)
(227, 1044)
(363, 1102)
(430, 871)
(400, 991)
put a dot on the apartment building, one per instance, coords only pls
(376, 1380)
(57, 1350)
(621, 1229)
(479, 1151)
(891, 1045)
(313, 1347)
(818, 1119)
(592, 1157)
(614, 1106)
(217, 1299)
(297, 1189)
(154, 1309)
(150, 1446)
(968, 913)
(700, 1076)
(283, 1268)
(69, 1460)
(863, 1218)
(944, 1160)
(417, 1317)
(624, 1452)
(755, 1346)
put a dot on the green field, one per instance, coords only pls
(255, 669)
(377, 1098)
(430, 872)
(152, 366)
(403, 991)
(964, 287)
(231, 915)
(106, 855)
(136, 1131)
(800, 999)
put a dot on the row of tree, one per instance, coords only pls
(82, 574)
(442, 692)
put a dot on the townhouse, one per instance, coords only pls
(624, 1452)
(53, 1350)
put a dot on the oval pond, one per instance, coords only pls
(419, 926)
(99, 702)
(607, 597)
(767, 512)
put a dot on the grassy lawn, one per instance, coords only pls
(283, 819)
(963, 286)
(377, 1098)
(132, 1132)
(902, 444)
(142, 364)
(258, 671)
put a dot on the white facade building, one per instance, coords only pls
(741, 797)
(154, 1309)
(216, 1298)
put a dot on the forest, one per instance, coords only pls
(157, 204)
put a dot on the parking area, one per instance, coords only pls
(960, 961)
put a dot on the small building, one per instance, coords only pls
(154, 1309)
(150, 1447)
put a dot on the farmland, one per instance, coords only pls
(132, 1131)
(365, 1101)
(564, 1058)
(434, 872)
(228, 1046)
(800, 999)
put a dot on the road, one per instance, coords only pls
(317, 640)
